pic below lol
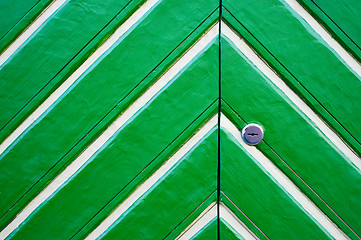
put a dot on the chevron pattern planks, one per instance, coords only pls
(122, 119)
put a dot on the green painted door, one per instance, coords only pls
(123, 119)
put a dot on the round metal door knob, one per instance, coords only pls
(252, 134)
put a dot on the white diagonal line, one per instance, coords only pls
(91, 60)
(331, 136)
(201, 44)
(348, 58)
(200, 222)
(229, 217)
(208, 215)
(55, 5)
(285, 182)
(144, 187)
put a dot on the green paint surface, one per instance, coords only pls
(48, 51)
(207, 232)
(242, 217)
(255, 99)
(15, 16)
(158, 130)
(346, 14)
(10, 14)
(75, 116)
(210, 231)
(130, 151)
(176, 232)
(173, 197)
(342, 19)
(228, 233)
(261, 198)
(305, 58)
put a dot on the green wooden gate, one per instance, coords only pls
(122, 119)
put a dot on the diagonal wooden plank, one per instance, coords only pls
(161, 205)
(228, 232)
(30, 30)
(58, 45)
(336, 47)
(144, 116)
(243, 217)
(307, 63)
(341, 19)
(73, 117)
(320, 219)
(152, 180)
(15, 17)
(276, 80)
(234, 224)
(54, 97)
(207, 219)
(121, 134)
(187, 221)
(293, 136)
(208, 232)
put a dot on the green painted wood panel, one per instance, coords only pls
(207, 232)
(228, 233)
(189, 220)
(12, 13)
(63, 42)
(262, 199)
(15, 17)
(299, 56)
(342, 19)
(146, 142)
(80, 119)
(210, 232)
(151, 207)
(305, 154)
(161, 210)
(150, 134)
(242, 217)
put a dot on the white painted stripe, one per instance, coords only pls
(200, 222)
(55, 5)
(63, 87)
(112, 129)
(348, 58)
(331, 136)
(144, 187)
(208, 215)
(286, 183)
(229, 217)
